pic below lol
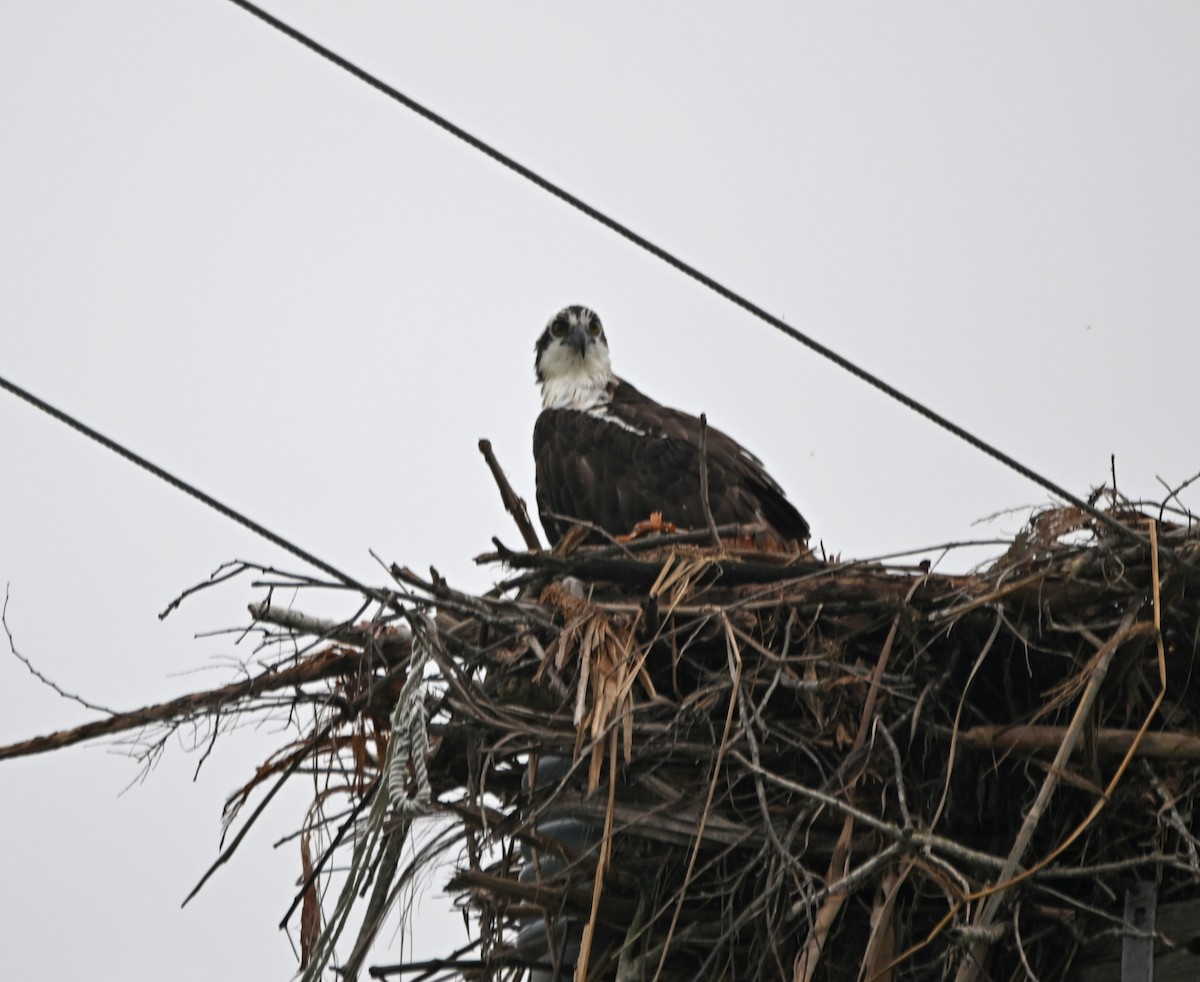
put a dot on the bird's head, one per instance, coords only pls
(572, 361)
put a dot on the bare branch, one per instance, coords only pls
(513, 503)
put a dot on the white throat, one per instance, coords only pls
(571, 382)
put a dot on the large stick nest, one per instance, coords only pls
(677, 762)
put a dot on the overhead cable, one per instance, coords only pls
(184, 486)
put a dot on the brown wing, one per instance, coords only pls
(615, 475)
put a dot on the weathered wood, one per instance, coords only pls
(1176, 951)
(1107, 742)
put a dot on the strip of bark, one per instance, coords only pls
(1109, 742)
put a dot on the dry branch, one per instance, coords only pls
(331, 663)
(1096, 672)
(1033, 739)
(514, 504)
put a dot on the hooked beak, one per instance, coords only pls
(579, 339)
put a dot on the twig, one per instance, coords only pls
(320, 627)
(602, 862)
(734, 657)
(911, 838)
(1098, 870)
(12, 647)
(224, 572)
(810, 956)
(1108, 742)
(348, 711)
(855, 877)
(377, 905)
(635, 573)
(1173, 492)
(513, 503)
(1020, 945)
(1173, 817)
(973, 960)
(901, 797)
(322, 666)
(976, 667)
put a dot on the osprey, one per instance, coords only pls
(610, 456)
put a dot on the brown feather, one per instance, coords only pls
(593, 468)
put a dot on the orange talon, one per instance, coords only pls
(654, 525)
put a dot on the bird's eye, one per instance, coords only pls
(594, 329)
(558, 329)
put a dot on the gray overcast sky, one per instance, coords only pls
(273, 281)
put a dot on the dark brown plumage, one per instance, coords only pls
(609, 455)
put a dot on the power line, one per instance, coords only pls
(688, 270)
(184, 486)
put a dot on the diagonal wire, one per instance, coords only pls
(190, 489)
(688, 270)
